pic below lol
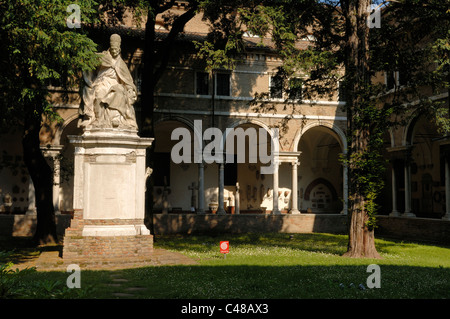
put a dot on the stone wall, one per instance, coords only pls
(22, 225)
(413, 229)
(248, 223)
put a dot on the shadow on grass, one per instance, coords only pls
(22, 249)
(267, 282)
(277, 277)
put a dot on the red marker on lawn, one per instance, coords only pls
(224, 248)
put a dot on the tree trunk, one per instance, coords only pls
(156, 59)
(361, 237)
(147, 106)
(42, 177)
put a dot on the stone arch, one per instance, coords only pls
(408, 130)
(176, 176)
(391, 136)
(319, 181)
(338, 133)
(243, 122)
(321, 144)
(252, 121)
(254, 185)
(180, 119)
(426, 166)
(59, 132)
(258, 123)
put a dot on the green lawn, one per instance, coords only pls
(260, 266)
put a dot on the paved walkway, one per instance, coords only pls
(51, 261)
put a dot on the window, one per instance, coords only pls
(223, 84)
(279, 91)
(276, 87)
(202, 83)
(390, 80)
(295, 89)
(395, 79)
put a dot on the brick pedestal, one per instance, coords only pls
(79, 247)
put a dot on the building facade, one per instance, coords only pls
(312, 137)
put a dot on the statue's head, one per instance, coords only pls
(114, 45)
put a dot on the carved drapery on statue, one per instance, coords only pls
(109, 92)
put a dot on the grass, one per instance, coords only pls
(267, 266)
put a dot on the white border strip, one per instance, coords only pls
(248, 98)
(252, 114)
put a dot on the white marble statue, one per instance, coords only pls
(109, 92)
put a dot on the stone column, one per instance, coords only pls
(344, 210)
(31, 199)
(56, 183)
(201, 188)
(193, 188)
(237, 199)
(275, 209)
(447, 190)
(220, 209)
(294, 208)
(407, 168)
(53, 154)
(394, 212)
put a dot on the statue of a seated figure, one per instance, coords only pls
(109, 93)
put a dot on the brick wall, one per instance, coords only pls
(78, 247)
(414, 229)
(25, 225)
(245, 223)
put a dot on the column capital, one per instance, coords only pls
(52, 151)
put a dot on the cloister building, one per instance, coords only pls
(310, 178)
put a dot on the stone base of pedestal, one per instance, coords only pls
(106, 239)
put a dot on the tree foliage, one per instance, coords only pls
(412, 42)
(36, 47)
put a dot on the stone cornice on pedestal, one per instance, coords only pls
(104, 137)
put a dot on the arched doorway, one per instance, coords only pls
(321, 184)
(173, 181)
(245, 168)
(426, 167)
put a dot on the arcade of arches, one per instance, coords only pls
(310, 178)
